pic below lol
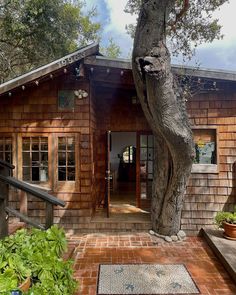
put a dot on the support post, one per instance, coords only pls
(49, 215)
(4, 190)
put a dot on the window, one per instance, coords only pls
(35, 158)
(129, 154)
(66, 158)
(205, 160)
(6, 149)
(66, 99)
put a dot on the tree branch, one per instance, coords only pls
(184, 9)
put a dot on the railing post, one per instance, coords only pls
(4, 190)
(49, 215)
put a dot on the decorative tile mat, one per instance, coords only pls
(151, 279)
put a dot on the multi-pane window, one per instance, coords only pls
(6, 149)
(35, 158)
(66, 158)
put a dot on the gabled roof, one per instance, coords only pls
(50, 68)
(91, 58)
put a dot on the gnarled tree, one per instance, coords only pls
(162, 100)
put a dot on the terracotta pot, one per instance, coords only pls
(25, 285)
(230, 230)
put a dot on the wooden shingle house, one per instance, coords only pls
(61, 123)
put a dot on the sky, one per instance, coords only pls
(221, 54)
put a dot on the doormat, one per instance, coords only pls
(151, 279)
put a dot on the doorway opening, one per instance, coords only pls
(123, 172)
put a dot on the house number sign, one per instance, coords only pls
(71, 59)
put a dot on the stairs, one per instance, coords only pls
(127, 220)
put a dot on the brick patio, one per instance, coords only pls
(93, 249)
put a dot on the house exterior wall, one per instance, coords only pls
(35, 111)
(208, 193)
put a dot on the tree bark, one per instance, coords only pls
(164, 108)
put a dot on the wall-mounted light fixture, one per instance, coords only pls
(80, 93)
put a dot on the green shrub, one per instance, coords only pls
(225, 217)
(36, 254)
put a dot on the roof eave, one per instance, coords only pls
(49, 68)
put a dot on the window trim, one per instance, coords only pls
(208, 168)
(46, 184)
(67, 186)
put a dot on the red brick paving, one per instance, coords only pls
(93, 249)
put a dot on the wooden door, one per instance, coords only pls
(108, 174)
(144, 168)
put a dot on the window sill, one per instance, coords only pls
(204, 168)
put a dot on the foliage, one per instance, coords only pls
(224, 216)
(196, 26)
(112, 50)
(35, 32)
(36, 254)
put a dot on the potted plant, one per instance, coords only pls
(31, 262)
(227, 221)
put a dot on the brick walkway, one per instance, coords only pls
(93, 249)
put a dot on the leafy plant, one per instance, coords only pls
(224, 216)
(36, 254)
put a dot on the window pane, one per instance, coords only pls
(143, 154)
(143, 140)
(62, 173)
(26, 173)
(71, 173)
(143, 169)
(35, 159)
(35, 144)
(150, 140)
(150, 167)
(35, 173)
(62, 159)
(44, 159)
(71, 143)
(71, 159)
(1, 144)
(150, 154)
(26, 143)
(44, 174)
(8, 157)
(26, 159)
(61, 143)
(1, 156)
(143, 190)
(44, 144)
(8, 144)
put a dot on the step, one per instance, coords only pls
(223, 248)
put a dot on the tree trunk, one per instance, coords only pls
(165, 110)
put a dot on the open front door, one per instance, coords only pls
(144, 168)
(108, 173)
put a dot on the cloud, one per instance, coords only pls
(119, 19)
(218, 54)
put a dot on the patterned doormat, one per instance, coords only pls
(151, 279)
